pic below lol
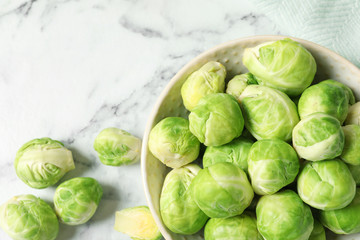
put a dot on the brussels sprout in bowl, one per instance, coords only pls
(170, 103)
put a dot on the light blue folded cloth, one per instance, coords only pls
(334, 24)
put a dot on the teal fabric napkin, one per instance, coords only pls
(334, 24)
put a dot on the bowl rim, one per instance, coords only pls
(182, 71)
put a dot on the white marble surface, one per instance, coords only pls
(69, 68)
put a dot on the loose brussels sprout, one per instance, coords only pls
(236, 152)
(318, 232)
(349, 92)
(77, 199)
(326, 98)
(210, 78)
(27, 217)
(233, 228)
(222, 190)
(178, 209)
(138, 223)
(351, 152)
(353, 116)
(238, 83)
(268, 112)
(42, 162)
(116, 147)
(217, 119)
(318, 136)
(326, 185)
(172, 143)
(284, 216)
(345, 220)
(273, 164)
(355, 172)
(285, 65)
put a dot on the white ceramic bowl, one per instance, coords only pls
(169, 103)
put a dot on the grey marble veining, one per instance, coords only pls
(69, 68)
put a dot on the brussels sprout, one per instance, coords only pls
(236, 152)
(355, 172)
(318, 136)
(42, 162)
(345, 220)
(326, 185)
(178, 209)
(351, 152)
(233, 228)
(238, 83)
(138, 223)
(353, 116)
(318, 232)
(349, 92)
(284, 216)
(27, 217)
(222, 190)
(77, 199)
(172, 143)
(217, 119)
(210, 78)
(273, 164)
(285, 65)
(117, 147)
(325, 98)
(268, 112)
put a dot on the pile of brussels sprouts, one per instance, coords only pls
(41, 163)
(281, 154)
